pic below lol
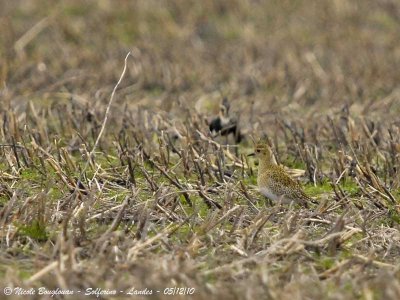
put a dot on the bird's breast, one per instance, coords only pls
(268, 193)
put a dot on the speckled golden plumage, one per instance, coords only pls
(273, 181)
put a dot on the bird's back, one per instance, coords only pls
(275, 181)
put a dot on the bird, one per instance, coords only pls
(274, 182)
(224, 124)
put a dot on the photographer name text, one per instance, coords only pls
(98, 292)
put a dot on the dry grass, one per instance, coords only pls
(162, 202)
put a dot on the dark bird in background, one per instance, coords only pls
(224, 124)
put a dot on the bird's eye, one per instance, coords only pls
(258, 150)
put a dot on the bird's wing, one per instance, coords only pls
(290, 188)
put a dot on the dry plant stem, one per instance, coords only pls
(175, 182)
(30, 35)
(103, 126)
(50, 267)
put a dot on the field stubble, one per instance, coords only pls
(161, 201)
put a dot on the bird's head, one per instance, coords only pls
(263, 152)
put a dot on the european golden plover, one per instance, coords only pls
(273, 181)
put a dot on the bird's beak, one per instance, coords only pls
(251, 154)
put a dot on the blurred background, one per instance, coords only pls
(296, 58)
